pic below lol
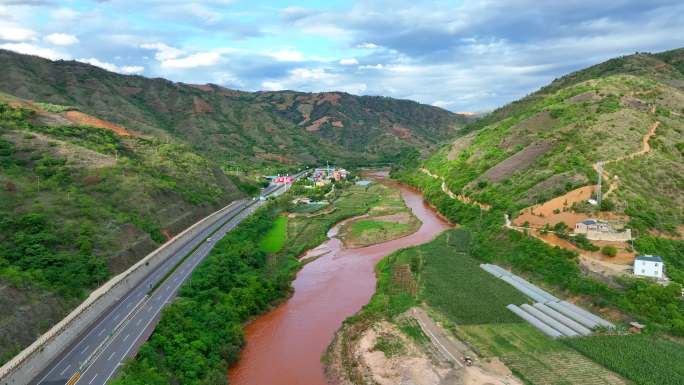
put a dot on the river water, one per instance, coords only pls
(284, 346)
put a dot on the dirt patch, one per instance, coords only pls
(75, 155)
(338, 124)
(528, 130)
(541, 214)
(634, 103)
(79, 118)
(200, 106)
(316, 124)
(331, 97)
(203, 87)
(460, 144)
(400, 131)
(519, 161)
(583, 97)
(412, 367)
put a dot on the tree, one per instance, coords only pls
(609, 251)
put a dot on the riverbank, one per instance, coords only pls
(290, 339)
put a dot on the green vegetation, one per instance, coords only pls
(671, 250)
(643, 359)
(609, 251)
(200, 334)
(307, 231)
(453, 283)
(390, 345)
(269, 130)
(598, 114)
(78, 204)
(534, 357)
(275, 238)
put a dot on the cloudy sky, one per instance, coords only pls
(460, 55)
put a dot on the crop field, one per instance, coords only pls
(305, 232)
(536, 358)
(645, 360)
(274, 239)
(452, 282)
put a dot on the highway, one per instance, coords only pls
(96, 355)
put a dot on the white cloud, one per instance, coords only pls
(12, 33)
(442, 103)
(367, 45)
(164, 52)
(126, 70)
(349, 61)
(287, 55)
(201, 59)
(372, 67)
(272, 86)
(31, 49)
(61, 39)
(132, 70)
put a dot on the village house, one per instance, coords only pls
(601, 231)
(592, 225)
(649, 266)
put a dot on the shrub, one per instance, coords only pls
(609, 251)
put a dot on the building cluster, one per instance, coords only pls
(324, 176)
(286, 179)
(598, 230)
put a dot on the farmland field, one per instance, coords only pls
(643, 359)
(274, 239)
(536, 358)
(452, 282)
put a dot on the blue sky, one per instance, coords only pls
(460, 55)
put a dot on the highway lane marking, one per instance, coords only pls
(116, 317)
(112, 372)
(138, 323)
(238, 216)
(86, 348)
(93, 379)
(110, 356)
(125, 338)
(65, 369)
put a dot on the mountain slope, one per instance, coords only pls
(79, 204)
(626, 113)
(239, 128)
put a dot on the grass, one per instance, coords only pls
(646, 360)
(275, 238)
(370, 231)
(452, 282)
(536, 358)
(390, 345)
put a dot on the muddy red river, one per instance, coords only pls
(285, 345)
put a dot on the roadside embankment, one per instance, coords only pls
(38, 355)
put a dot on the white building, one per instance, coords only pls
(649, 266)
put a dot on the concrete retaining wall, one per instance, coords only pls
(621, 236)
(32, 360)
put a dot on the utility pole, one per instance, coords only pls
(599, 169)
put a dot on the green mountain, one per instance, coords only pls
(97, 169)
(627, 113)
(237, 128)
(79, 204)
